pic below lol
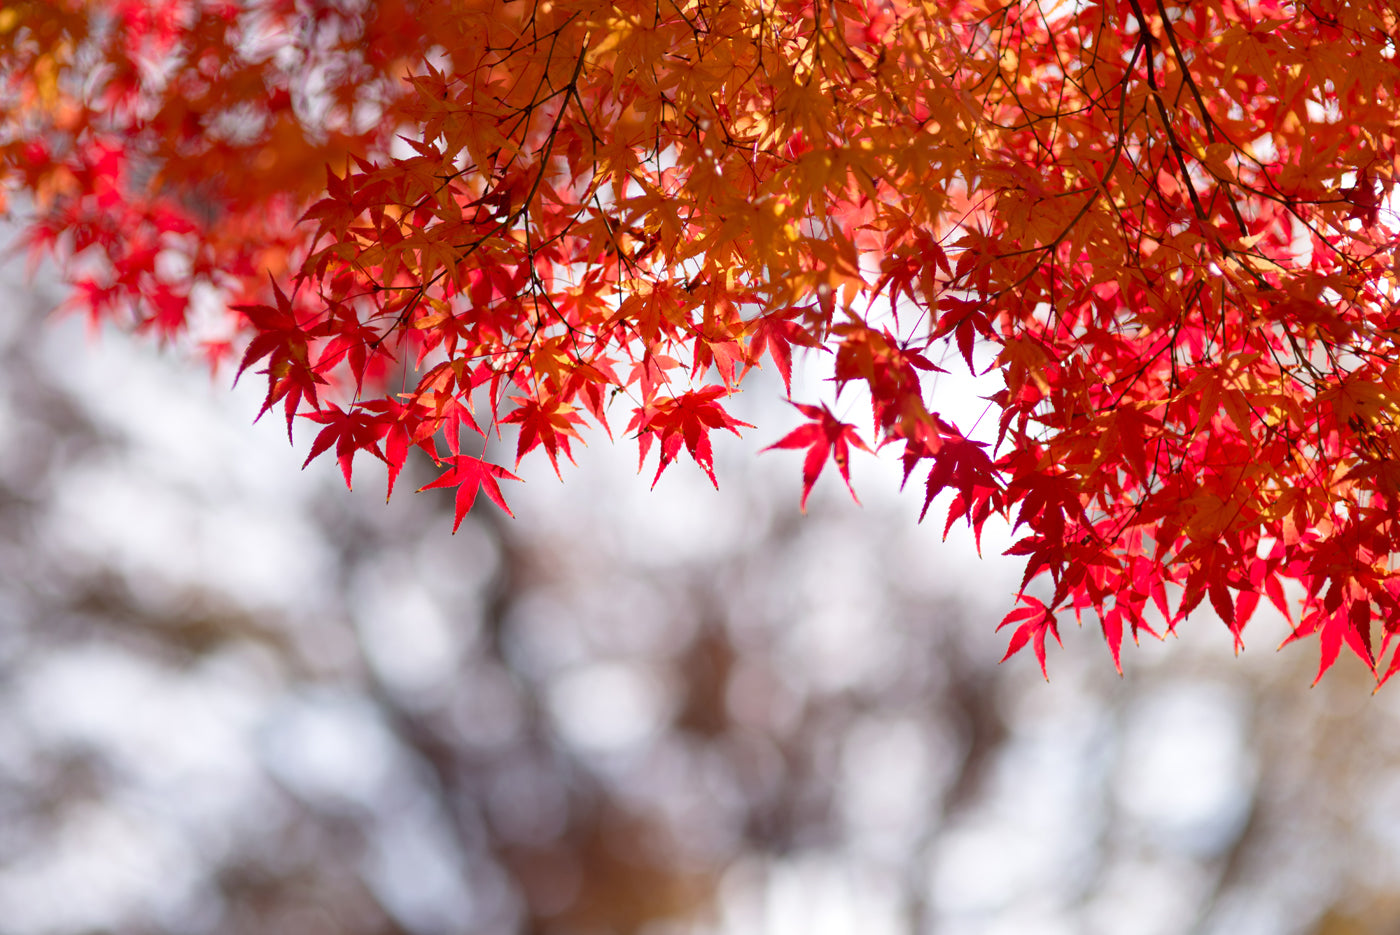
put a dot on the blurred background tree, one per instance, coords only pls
(241, 701)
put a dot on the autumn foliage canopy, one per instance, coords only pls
(1165, 225)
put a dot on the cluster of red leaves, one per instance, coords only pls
(1162, 223)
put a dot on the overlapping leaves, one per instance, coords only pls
(1165, 226)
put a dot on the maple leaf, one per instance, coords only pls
(687, 419)
(280, 337)
(407, 425)
(471, 475)
(824, 436)
(350, 431)
(1342, 616)
(964, 319)
(548, 422)
(962, 463)
(775, 335)
(1034, 622)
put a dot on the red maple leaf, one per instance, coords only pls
(469, 475)
(776, 334)
(549, 423)
(686, 418)
(1036, 621)
(280, 337)
(825, 436)
(350, 431)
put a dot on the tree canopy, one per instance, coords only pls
(1164, 225)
